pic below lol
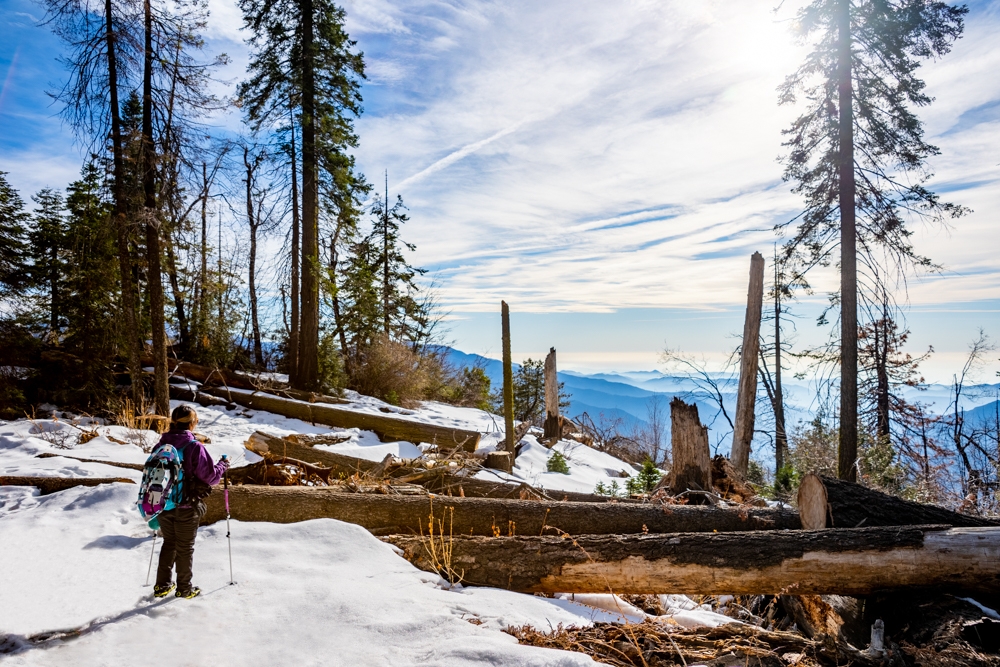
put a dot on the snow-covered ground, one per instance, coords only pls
(317, 592)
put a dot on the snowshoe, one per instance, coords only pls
(162, 591)
(188, 594)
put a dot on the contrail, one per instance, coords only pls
(10, 75)
(455, 156)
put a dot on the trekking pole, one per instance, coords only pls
(229, 539)
(151, 552)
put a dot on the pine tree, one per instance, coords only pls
(13, 269)
(91, 307)
(858, 155)
(301, 55)
(48, 239)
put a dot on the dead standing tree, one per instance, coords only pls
(692, 465)
(551, 426)
(746, 398)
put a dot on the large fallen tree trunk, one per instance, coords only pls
(437, 480)
(49, 485)
(851, 561)
(825, 502)
(387, 428)
(384, 515)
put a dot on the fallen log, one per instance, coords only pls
(180, 393)
(384, 515)
(850, 561)
(49, 485)
(212, 376)
(850, 505)
(437, 480)
(116, 464)
(385, 427)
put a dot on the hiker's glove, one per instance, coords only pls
(225, 464)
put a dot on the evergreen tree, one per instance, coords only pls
(858, 156)
(12, 237)
(529, 393)
(403, 317)
(91, 306)
(301, 55)
(48, 239)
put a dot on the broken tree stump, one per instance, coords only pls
(384, 515)
(49, 485)
(551, 427)
(385, 427)
(508, 380)
(746, 397)
(692, 467)
(851, 505)
(850, 561)
(500, 461)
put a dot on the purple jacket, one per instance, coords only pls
(197, 462)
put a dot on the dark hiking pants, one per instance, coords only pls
(179, 527)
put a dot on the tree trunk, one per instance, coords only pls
(293, 335)
(161, 393)
(692, 466)
(746, 398)
(508, 380)
(387, 514)
(386, 427)
(848, 450)
(298, 446)
(175, 288)
(385, 259)
(308, 374)
(551, 426)
(253, 223)
(780, 434)
(47, 485)
(133, 341)
(202, 317)
(852, 505)
(858, 561)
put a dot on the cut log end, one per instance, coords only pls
(813, 503)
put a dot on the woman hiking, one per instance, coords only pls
(179, 525)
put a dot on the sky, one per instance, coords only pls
(605, 168)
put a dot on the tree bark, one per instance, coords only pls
(853, 505)
(858, 561)
(293, 335)
(154, 282)
(692, 466)
(298, 446)
(47, 485)
(387, 428)
(780, 434)
(746, 397)
(308, 374)
(508, 379)
(385, 515)
(254, 223)
(551, 426)
(129, 307)
(848, 449)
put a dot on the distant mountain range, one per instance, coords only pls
(631, 396)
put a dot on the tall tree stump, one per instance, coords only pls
(508, 380)
(551, 426)
(746, 397)
(692, 465)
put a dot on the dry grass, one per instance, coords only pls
(439, 546)
(131, 418)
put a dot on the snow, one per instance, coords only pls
(316, 592)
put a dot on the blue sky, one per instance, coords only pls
(607, 168)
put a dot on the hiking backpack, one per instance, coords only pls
(162, 483)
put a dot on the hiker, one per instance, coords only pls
(179, 525)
